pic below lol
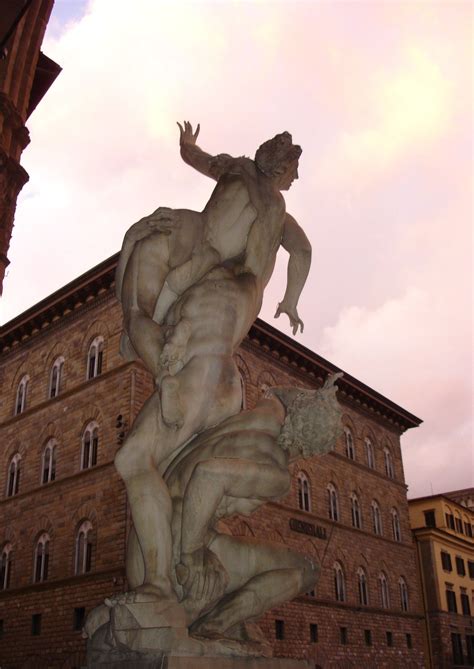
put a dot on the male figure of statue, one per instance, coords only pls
(191, 285)
(234, 468)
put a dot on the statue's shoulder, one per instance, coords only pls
(246, 165)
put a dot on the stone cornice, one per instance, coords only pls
(432, 533)
(75, 581)
(85, 291)
(333, 524)
(280, 347)
(86, 384)
(262, 337)
(446, 498)
(358, 608)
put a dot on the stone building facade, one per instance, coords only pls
(443, 529)
(25, 75)
(67, 401)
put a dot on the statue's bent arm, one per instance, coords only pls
(298, 246)
(211, 166)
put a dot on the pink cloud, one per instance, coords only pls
(383, 194)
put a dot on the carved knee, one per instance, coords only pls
(127, 458)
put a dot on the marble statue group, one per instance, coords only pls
(191, 284)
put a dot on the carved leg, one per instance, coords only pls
(147, 340)
(260, 594)
(150, 503)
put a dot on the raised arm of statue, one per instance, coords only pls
(297, 244)
(211, 166)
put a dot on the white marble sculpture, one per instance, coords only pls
(191, 284)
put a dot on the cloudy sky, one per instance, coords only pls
(379, 95)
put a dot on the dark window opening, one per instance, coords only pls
(450, 521)
(279, 629)
(409, 640)
(460, 566)
(470, 567)
(78, 618)
(344, 636)
(389, 638)
(368, 637)
(2, 628)
(456, 644)
(470, 648)
(313, 632)
(465, 604)
(446, 561)
(451, 599)
(430, 518)
(36, 624)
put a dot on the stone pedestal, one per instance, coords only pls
(126, 661)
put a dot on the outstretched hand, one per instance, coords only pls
(186, 135)
(291, 312)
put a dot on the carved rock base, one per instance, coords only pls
(127, 661)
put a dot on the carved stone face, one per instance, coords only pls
(287, 177)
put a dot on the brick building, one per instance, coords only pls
(68, 399)
(25, 76)
(443, 529)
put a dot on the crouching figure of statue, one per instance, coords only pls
(224, 582)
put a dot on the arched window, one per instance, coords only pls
(388, 463)
(21, 394)
(13, 477)
(449, 515)
(94, 358)
(384, 591)
(355, 511)
(5, 567)
(339, 583)
(369, 450)
(403, 594)
(376, 518)
(304, 494)
(333, 503)
(350, 452)
(83, 561)
(41, 559)
(55, 377)
(90, 446)
(48, 471)
(363, 588)
(397, 535)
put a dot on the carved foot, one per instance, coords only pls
(143, 594)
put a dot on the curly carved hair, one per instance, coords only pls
(273, 156)
(313, 420)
